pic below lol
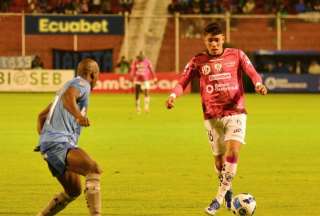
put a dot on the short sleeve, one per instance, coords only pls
(82, 86)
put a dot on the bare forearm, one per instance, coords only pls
(41, 121)
(69, 102)
(42, 118)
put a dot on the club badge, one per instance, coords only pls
(206, 69)
(218, 67)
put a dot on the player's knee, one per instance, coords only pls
(232, 155)
(233, 152)
(74, 191)
(218, 165)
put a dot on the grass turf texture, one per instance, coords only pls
(160, 163)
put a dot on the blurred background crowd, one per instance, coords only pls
(181, 6)
(243, 6)
(67, 6)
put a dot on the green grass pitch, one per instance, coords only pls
(161, 164)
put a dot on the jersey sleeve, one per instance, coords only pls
(248, 68)
(185, 77)
(82, 86)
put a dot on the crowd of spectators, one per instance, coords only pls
(290, 67)
(67, 6)
(243, 6)
(181, 6)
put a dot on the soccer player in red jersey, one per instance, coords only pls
(142, 75)
(220, 72)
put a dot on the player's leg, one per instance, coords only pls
(234, 137)
(137, 97)
(219, 162)
(55, 154)
(228, 171)
(72, 189)
(79, 161)
(215, 133)
(146, 99)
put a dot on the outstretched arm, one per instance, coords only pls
(154, 76)
(42, 118)
(69, 100)
(248, 68)
(188, 74)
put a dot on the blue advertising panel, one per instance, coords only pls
(292, 82)
(111, 25)
(66, 59)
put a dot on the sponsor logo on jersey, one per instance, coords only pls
(218, 67)
(206, 69)
(221, 87)
(220, 76)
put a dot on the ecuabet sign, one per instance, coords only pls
(116, 83)
(112, 25)
(33, 80)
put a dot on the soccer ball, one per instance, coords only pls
(243, 204)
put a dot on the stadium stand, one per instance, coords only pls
(247, 34)
(67, 6)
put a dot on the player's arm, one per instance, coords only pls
(154, 76)
(185, 78)
(69, 100)
(248, 68)
(132, 70)
(42, 118)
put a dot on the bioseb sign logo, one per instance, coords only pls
(33, 80)
(74, 25)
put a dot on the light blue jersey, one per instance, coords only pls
(60, 125)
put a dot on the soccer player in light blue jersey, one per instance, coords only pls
(59, 126)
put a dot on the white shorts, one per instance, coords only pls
(143, 84)
(223, 129)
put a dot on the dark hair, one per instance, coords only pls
(213, 28)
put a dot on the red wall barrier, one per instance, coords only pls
(116, 83)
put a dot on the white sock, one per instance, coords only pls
(228, 172)
(93, 195)
(146, 103)
(59, 202)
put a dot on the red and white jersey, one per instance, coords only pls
(221, 84)
(141, 70)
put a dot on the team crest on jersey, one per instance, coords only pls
(218, 67)
(206, 69)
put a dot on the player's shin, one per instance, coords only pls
(146, 103)
(227, 174)
(58, 203)
(138, 109)
(93, 195)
